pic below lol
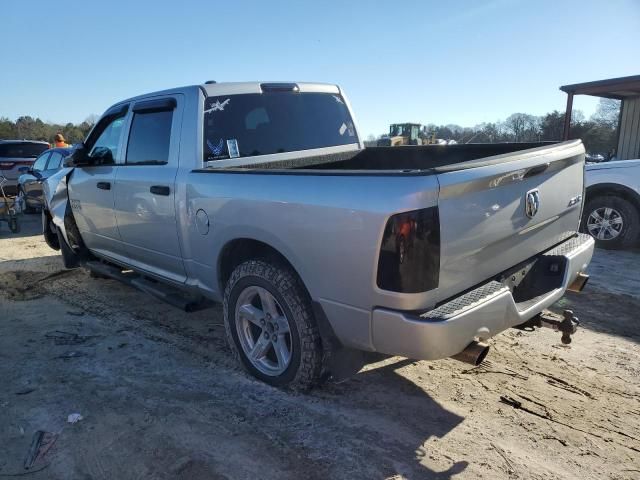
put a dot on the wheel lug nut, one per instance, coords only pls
(266, 335)
(274, 338)
(262, 322)
(275, 326)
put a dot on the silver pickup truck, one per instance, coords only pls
(261, 196)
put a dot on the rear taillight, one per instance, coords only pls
(409, 259)
(6, 165)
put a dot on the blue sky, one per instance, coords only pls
(462, 62)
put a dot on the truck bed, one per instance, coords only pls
(480, 191)
(406, 159)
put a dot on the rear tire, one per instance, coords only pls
(612, 221)
(268, 318)
(49, 231)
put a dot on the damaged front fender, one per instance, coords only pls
(56, 199)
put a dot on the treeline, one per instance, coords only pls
(598, 133)
(29, 128)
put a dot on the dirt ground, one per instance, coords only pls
(161, 398)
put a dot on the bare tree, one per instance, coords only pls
(523, 127)
(607, 112)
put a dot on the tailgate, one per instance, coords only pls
(499, 211)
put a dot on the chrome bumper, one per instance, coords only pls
(475, 315)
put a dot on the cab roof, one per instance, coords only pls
(235, 88)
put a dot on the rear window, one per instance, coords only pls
(274, 122)
(22, 150)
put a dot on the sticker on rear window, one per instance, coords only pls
(232, 148)
(217, 106)
(216, 149)
(343, 128)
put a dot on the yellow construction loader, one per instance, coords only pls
(406, 134)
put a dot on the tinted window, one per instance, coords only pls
(54, 161)
(22, 150)
(109, 138)
(41, 162)
(274, 122)
(149, 138)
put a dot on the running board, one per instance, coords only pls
(168, 294)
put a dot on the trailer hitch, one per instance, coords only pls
(567, 323)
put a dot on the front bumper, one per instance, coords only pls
(478, 314)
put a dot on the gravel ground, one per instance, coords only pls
(161, 398)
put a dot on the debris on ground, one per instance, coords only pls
(67, 338)
(41, 443)
(68, 355)
(74, 418)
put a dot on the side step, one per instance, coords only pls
(168, 294)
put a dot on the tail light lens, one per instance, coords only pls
(409, 259)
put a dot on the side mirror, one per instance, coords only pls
(78, 157)
(101, 156)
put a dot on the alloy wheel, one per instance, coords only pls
(263, 330)
(605, 223)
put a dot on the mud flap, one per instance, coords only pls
(69, 257)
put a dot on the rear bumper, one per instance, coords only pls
(476, 315)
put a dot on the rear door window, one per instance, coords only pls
(54, 161)
(149, 138)
(274, 122)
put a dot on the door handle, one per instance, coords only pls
(160, 190)
(103, 185)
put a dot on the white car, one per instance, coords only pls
(612, 210)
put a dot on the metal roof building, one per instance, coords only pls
(626, 89)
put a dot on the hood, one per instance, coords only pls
(613, 164)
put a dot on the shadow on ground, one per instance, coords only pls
(162, 398)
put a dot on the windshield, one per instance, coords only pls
(275, 122)
(399, 130)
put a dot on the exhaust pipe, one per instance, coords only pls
(474, 354)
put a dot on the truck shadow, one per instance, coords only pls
(400, 417)
(377, 424)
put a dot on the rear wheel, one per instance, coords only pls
(612, 221)
(270, 325)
